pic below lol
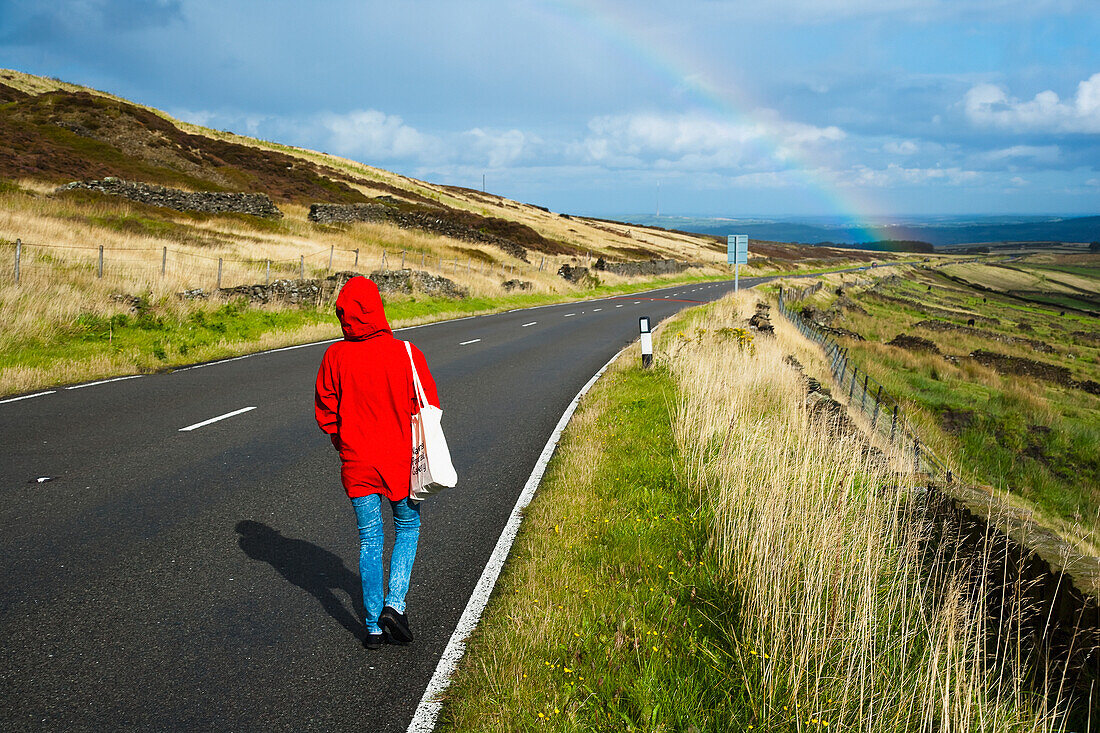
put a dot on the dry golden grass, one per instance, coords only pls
(1008, 278)
(822, 544)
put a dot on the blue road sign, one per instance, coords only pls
(737, 249)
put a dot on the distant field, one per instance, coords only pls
(1073, 285)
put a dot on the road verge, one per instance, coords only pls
(708, 552)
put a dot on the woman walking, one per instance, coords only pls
(365, 400)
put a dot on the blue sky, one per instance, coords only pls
(857, 108)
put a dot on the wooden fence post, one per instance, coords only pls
(331, 249)
(357, 257)
(301, 267)
(18, 251)
(100, 272)
(541, 263)
(163, 261)
(267, 277)
(402, 259)
(219, 273)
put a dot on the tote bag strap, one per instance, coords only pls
(422, 399)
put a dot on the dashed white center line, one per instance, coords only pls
(215, 419)
(27, 396)
(619, 306)
(597, 310)
(528, 324)
(471, 341)
(569, 314)
(105, 381)
(636, 302)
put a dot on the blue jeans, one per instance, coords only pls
(406, 524)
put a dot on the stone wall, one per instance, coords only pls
(322, 290)
(645, 268)
(214, 202)
(441, 221)
(419, 281)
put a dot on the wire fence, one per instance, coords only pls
(883, 413)
(210, 271)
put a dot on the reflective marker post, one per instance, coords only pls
(647, 342)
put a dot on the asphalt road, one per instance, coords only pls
(208, 579)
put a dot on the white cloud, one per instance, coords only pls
(895, 175)
(200, 117)
(905, 147)
(370, 134)
(1037, 153)
(500, 149)
(990, 105)
(697, 142)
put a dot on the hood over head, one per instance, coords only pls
(359, 308)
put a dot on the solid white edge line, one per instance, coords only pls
(471, 341)
(27, 396)
(528, 324)
(423, 720)
(104, 381)
(215, 419)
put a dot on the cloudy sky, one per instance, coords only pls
(724, 107)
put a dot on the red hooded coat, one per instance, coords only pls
(365, 397)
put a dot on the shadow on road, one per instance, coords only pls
(311, 568)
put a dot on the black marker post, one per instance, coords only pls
(647, 342)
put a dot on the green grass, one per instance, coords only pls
(151, 340)
(633, 632)
(1030, 438)
(657, 586)
(165, 334)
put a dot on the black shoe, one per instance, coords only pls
(373, 641)
(396, 625)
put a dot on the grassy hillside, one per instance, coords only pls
(1003, 384)
(52, 322)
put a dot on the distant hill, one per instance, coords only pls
(55, 133)
(64, 136)
(1036, 229)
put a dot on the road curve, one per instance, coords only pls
(177, 552)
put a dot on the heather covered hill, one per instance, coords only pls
(62, 136)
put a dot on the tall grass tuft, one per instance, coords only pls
(852, 614)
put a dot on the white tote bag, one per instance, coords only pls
(432, 470)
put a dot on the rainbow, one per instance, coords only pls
(723, 98)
